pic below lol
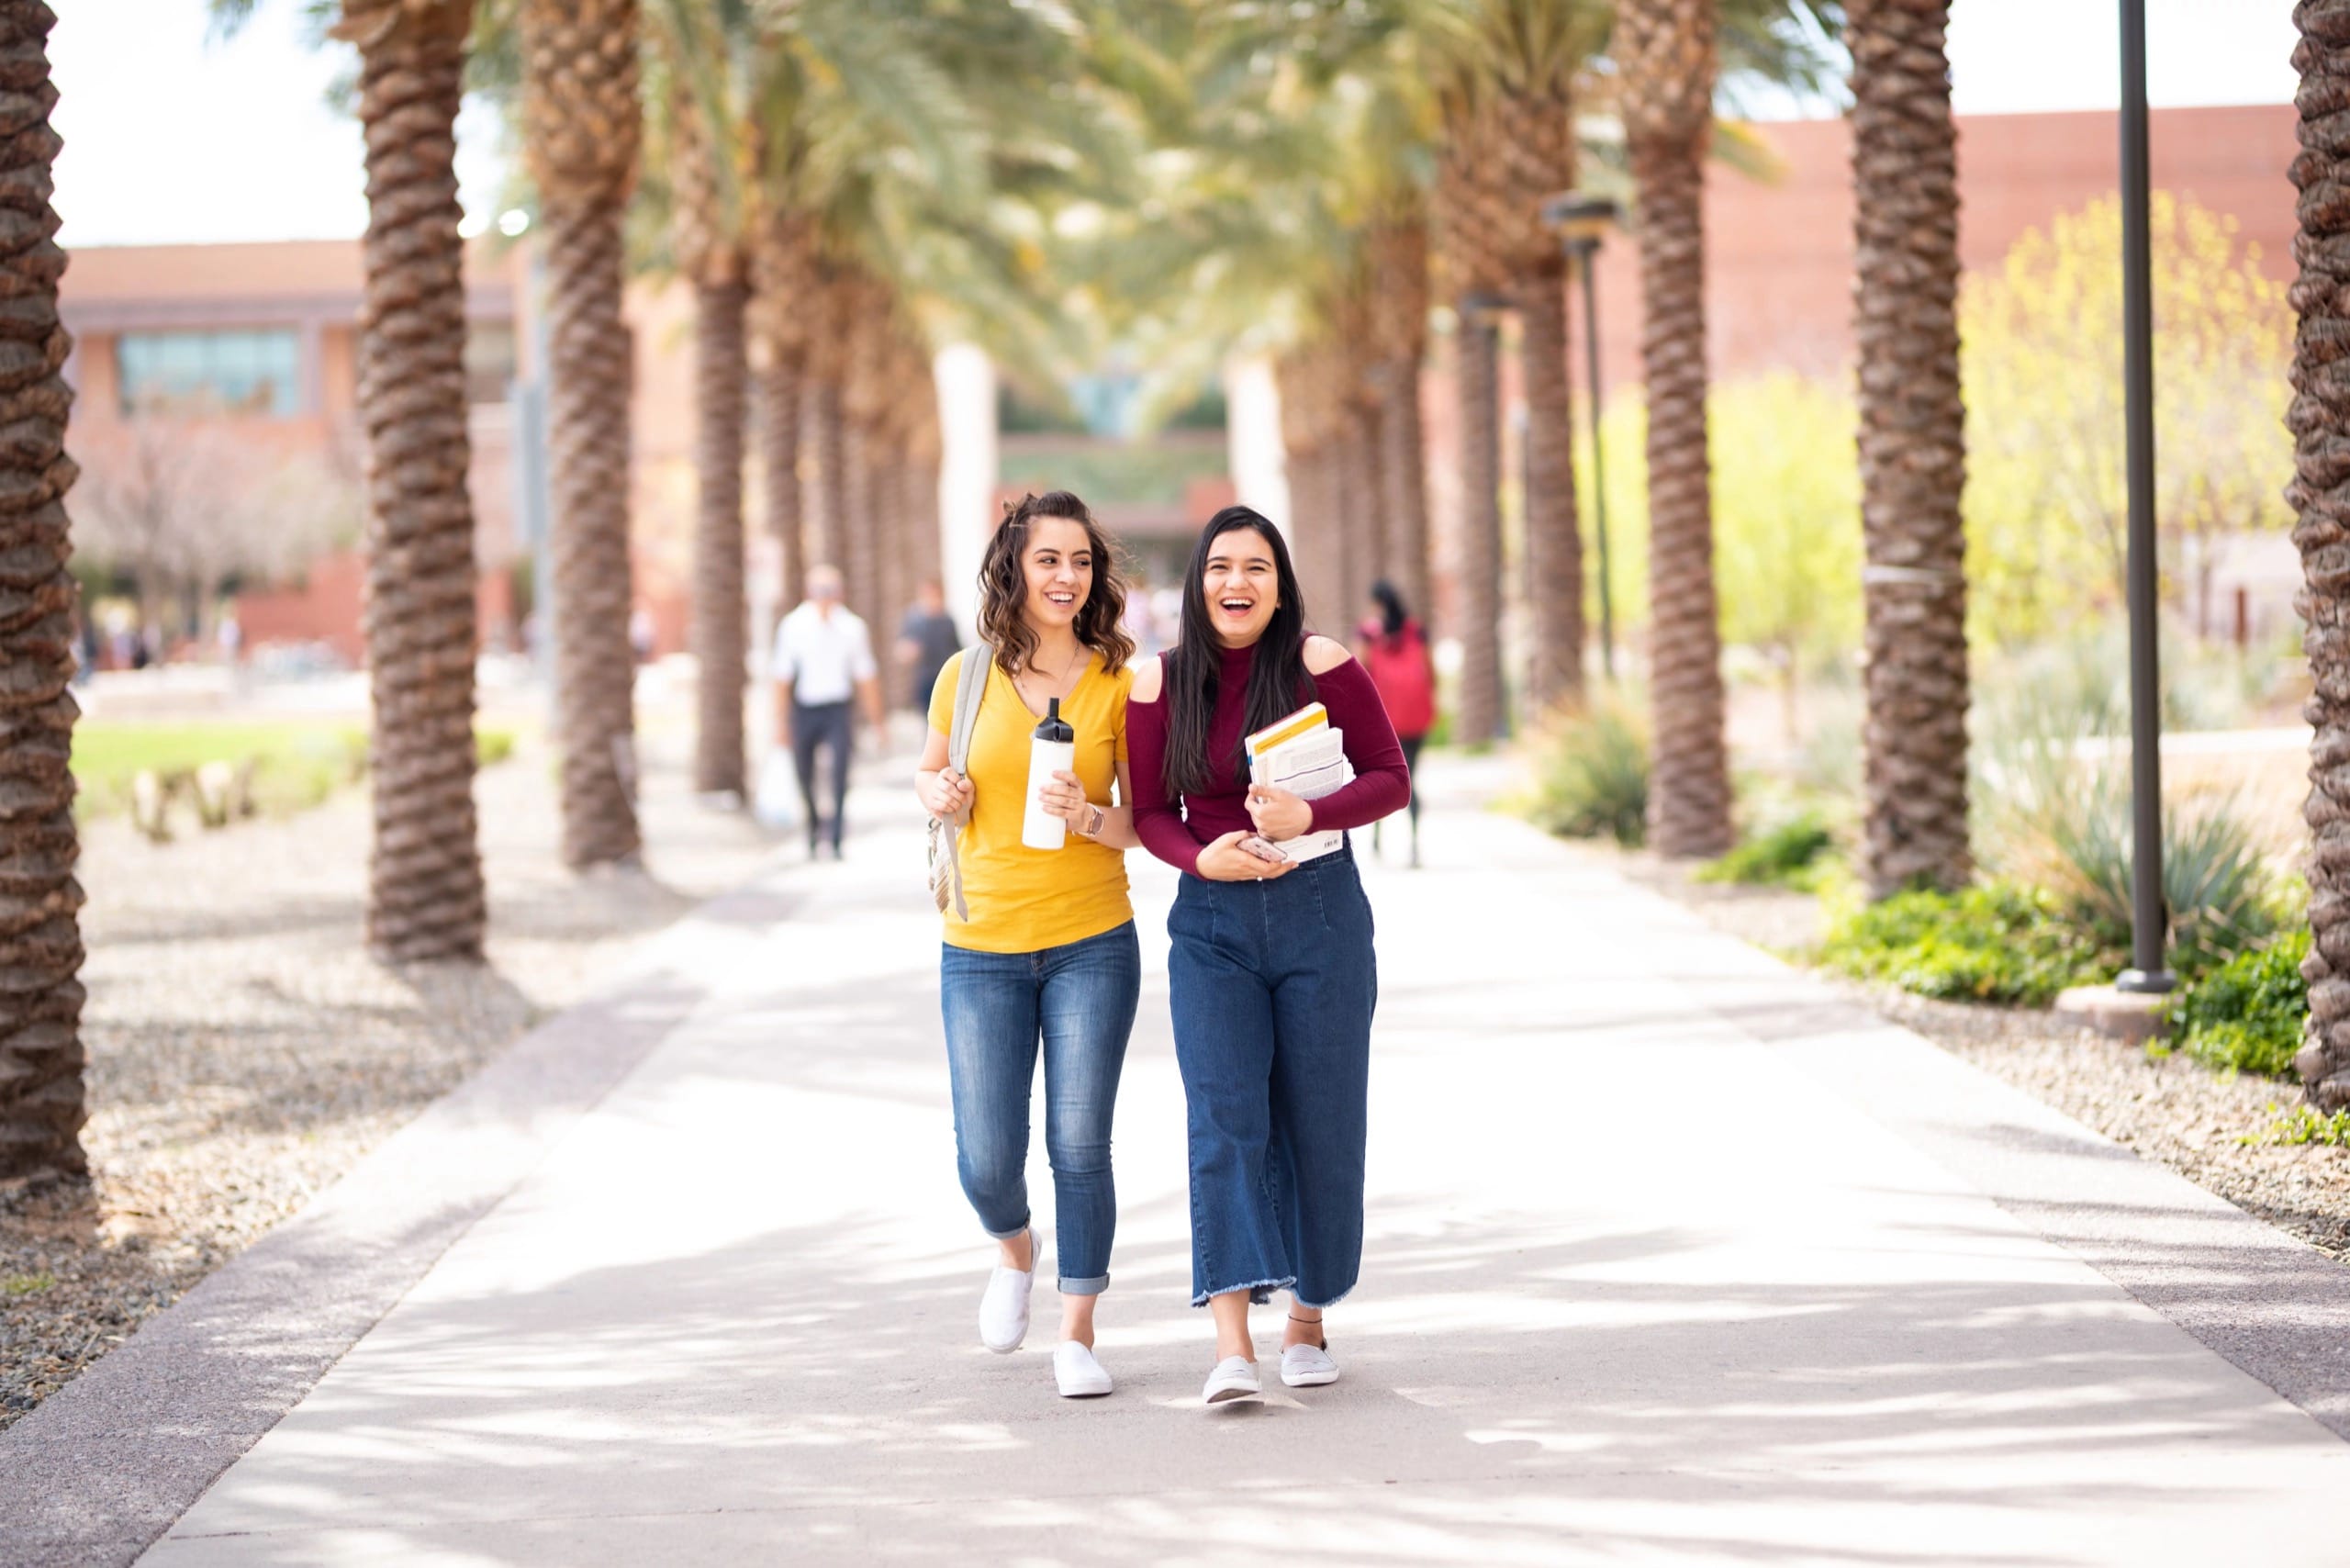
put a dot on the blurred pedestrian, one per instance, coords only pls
(823, 657)
(926, 640)
(1396, 650)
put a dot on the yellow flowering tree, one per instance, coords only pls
(2046, 508)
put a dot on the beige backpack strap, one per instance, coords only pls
(970, 689)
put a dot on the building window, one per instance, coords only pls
(235, 373)
(489, 361)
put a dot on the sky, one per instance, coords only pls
(173, 135)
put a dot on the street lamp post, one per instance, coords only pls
(1580, 221)
(2149, 921)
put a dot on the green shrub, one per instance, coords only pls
(2303, 1125)
(2052, 784)
(1996, 942)
(2246, 1014)
(493, 746)
(1788, 856)
(1592, 775)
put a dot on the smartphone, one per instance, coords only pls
(1264, 848)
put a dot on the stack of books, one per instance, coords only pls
(1305, 756)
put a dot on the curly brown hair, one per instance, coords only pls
(1004, 586)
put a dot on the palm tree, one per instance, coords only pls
(41, 1096)
(1665, 52)
(1399, 260)
(827, 359)
(1473, 269)
(711, 135)
(2319, 418)
(581, 126)
(426, 898)
(782, 268)
(1506, 78)
(1913, 444)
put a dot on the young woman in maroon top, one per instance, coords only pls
(1270, 965)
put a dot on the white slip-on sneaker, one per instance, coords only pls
(1079, 1374)
(1235, 1378)
(1308, 1366)
(1003, 1310)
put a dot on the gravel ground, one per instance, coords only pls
(2166, 1107)
(244, 1051)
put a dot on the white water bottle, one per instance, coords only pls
(1054, 750)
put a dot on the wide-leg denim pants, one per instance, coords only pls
(1078, 1000)
(1274, 985)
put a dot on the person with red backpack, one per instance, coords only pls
(1395, 650)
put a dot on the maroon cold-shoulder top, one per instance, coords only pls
(1176, 831)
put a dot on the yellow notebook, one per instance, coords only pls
(1305, 722)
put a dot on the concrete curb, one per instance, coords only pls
(108, 1463)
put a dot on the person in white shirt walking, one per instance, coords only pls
(823, 657)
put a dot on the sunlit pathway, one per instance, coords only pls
(1671, 1261)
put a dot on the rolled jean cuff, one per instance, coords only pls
(1021, 1229)
(1094, 1286)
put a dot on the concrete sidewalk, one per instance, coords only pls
(1674, 1259)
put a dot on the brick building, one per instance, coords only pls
(261, 341)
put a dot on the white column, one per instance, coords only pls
(967, 478)
(1252, 425)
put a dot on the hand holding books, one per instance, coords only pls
(1291, 764)
(1278, 813)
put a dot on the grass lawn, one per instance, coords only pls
(296, 762)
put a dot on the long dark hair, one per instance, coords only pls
(1392, 613)
(1278, 682)
(1004, 586)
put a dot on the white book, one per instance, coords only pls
(1310, 766)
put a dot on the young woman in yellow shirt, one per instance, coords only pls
(1048, 954)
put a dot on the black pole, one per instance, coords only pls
(1587, 252)
(2149, 925)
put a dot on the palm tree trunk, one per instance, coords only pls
(426, 898)
(581, 123)
(779, 413)
(1553, 533)
(1478, 718)
(1314, 512)
(893, 588)
(1399, 311)
(827, 433)
(722, 373)
(858, 493)
(1355, 537)
(1689, 795)
(41, 1094)
(1913, 446)
(2319, 418)
(922, 503)
(1403, 479)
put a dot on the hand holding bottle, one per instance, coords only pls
(1064, 797)
(1052, 751)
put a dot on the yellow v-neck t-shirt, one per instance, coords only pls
(1023, 900)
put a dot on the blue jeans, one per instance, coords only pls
(1079, 1000)
(1274, 984)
